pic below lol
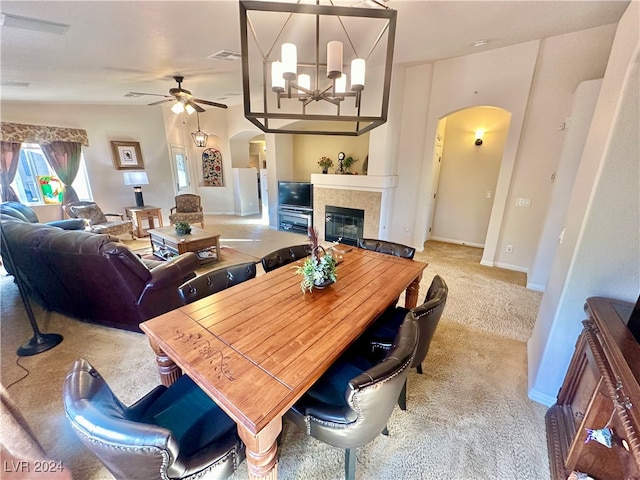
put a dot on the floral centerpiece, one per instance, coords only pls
(325, 163)
(318, 271)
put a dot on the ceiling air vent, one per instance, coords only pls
(226, 55)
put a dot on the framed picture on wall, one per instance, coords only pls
(127, 155)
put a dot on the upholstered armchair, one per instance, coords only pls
(97, 219)
(188, 209)
(427, 315)
(216, 281)
(390, 248)
(284, 256)
(170, 433)
(27, 214)
(352, 402)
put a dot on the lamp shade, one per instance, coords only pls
(136, 178)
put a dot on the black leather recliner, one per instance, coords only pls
(284, 256)
(350, 404)
(172, 433)
(26, 214)
(390, 248)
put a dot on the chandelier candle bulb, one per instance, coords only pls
(357, 74)
(289, 57)
(277, 80)
(334, 59)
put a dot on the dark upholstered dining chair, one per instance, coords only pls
(350, 405)
(216, 281)
(170, 433)
(188, 208)
(390, 248)
(284, 256)
(427, 315)
(98, 220)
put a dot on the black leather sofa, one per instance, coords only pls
(26, 214)
(93, 277)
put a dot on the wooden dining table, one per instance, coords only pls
(257, 347)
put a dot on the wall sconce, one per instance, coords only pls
(479, 135)
(137, 179)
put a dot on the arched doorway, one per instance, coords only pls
(466, 173)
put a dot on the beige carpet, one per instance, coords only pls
(468, 416)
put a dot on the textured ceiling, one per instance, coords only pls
(114, 47)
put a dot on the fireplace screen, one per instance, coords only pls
(343, 224)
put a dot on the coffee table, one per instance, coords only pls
(166, 243)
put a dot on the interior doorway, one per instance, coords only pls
(468, 155)
(180, 167)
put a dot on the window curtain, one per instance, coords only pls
(64, 157)
(8, 169)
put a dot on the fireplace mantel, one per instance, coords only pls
(371, 193)
(376, 183)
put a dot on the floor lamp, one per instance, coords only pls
(40, 342)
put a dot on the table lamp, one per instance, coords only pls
(137, 179)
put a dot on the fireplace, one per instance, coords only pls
(344, 224)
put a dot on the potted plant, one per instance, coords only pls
(318, 271)
(325, 163)
(348, 162)
(182, 227)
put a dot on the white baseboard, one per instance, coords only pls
(457, 242)
(508, 266)
(542, 398)
(536, 287)
(486, 263)
(256, 212)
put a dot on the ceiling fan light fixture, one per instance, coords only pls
(177, 108)
(189, 108)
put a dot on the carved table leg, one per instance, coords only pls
(261, 450)
(169, 371)
(411, 295)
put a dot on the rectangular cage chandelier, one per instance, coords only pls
(316, 69)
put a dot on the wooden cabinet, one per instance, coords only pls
(601, 386)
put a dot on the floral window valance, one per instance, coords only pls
(40, 134)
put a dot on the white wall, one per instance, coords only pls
(103, 124)
(576, 131)
(246, 191)
(500, 78)
(520, 79)
(600, 253)
(563, 62)
(468, 175)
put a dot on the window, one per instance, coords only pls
(33, 164)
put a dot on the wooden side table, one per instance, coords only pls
(148, 213)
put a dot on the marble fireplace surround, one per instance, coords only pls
(370, 193)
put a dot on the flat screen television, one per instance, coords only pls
(295, 195)
(634, 321)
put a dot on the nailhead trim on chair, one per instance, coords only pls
(165, 456)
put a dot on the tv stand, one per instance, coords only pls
(295, 220)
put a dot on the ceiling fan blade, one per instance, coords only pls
(139, 94)
(207, 102)
(197, 107)
(162, 101)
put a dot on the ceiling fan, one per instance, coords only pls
(183, 98)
